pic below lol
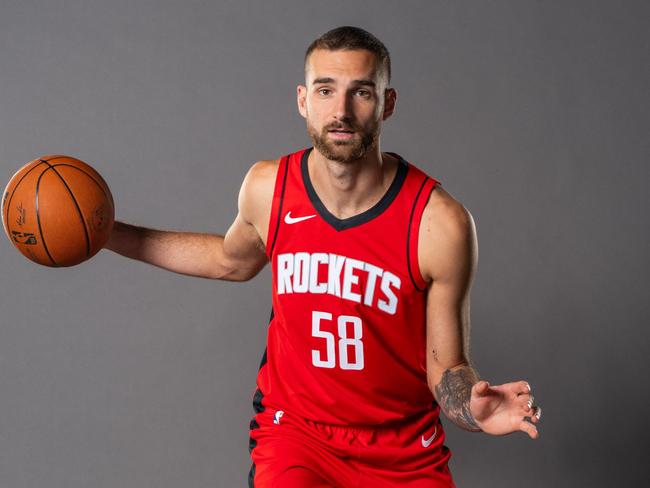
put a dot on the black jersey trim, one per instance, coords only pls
(258, 407)
(363, 217)
(263, 361)
(284, 185)
(408, 235)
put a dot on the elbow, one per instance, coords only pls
(234, 273)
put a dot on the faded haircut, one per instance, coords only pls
(350, 38)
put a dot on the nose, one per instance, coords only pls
(343, 107)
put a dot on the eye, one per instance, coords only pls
(363, 93)
(324, 91)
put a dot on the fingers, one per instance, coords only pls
(529, 429)
(521, 387)
(537, 416)
(526, 402)
(528, 408)
(534, 416)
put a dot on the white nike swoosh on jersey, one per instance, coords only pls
(294, 220)
(427, 442)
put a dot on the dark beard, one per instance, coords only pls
(343, 151)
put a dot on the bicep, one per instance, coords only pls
(243, 247)
(244, 244)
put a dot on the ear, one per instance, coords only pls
(301, 96)
(390, 99)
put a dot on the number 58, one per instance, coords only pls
(344, 341)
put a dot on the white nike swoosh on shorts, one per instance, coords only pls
(427, 442)
(294, 220)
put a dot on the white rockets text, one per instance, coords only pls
(304, 272)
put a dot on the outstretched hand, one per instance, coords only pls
(503, 409)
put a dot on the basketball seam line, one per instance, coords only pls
(76, 204)
(38, 217)
(88, 175)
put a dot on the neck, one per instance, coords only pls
(347, 189)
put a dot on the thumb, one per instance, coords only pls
(481, 388)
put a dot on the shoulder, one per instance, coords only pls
(262, 172)
(256, 193)
(447, 236)
(444, 213)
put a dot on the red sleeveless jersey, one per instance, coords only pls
(346, 341)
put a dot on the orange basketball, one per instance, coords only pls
(57, 211)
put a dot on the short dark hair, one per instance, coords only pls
(349, 38)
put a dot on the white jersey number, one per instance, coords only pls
(344, 341)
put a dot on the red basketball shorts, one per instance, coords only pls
(292, 452)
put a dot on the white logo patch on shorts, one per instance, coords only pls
(276, 417)
(427, 442)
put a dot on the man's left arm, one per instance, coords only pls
(448, 254)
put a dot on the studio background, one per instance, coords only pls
(533, 114)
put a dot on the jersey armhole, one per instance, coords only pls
(276, 206)
(421, 199)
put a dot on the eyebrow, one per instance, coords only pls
(356, 82)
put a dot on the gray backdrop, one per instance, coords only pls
(534, 114)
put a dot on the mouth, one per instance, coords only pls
(341, 133)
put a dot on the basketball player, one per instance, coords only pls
(372, 266)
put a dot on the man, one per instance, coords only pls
(372, 266)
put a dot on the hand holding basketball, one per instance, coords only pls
(57, 211)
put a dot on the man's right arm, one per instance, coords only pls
(237, 256)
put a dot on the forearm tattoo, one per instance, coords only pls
(453, 393)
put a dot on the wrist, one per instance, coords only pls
(454, 393)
